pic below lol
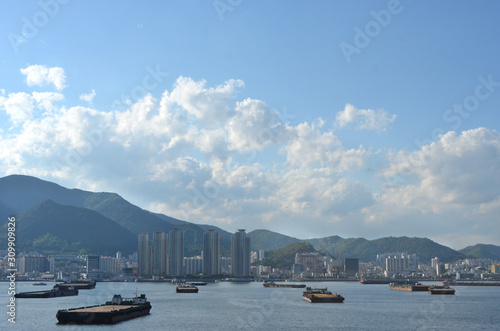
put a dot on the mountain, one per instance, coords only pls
(367, 250)
(482, 251)
(268, 240)
(30, 198)
(24, 192)
(6, 211)
(54, 229)
(284, 257)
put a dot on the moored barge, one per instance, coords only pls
(186, 288)
(435, 289)
(321, 295)
(79, 285)
(117, 310)
(414, 287)
(274, 285)
(56, 291)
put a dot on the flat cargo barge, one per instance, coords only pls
(55, 292)
(415, 287)
(80, 285)
(117, 310)
(441, 290)
(321, 295)
(186, 288)
(274, 285)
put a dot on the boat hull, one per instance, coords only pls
(325, 299)
(108, 317)
(47, 294)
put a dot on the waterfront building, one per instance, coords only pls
(397, 263)
(109, 265)
(240, 254)
(311, 261)
(159, 251)
(33, 264)
(176, 253)
(193, 265)
(144, 255)
(211, 255)
(93, 263)
(351, 266)
(225, 265)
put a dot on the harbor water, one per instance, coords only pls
(250, 306)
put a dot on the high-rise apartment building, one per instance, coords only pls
(159, 252)
(175, 253)
(211, 249)
(240, 254)
(144, 255)
(93, 263)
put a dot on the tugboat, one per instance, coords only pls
(186, 288)
(55, 292)
(114, 311)
(436, 289)
(321, 295)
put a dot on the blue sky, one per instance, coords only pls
(358, 119)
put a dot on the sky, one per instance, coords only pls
(312, 119)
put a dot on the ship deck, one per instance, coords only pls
(102, 309)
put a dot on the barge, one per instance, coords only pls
(79, 285)
(117, 310)
(415, 287)
(435, 289)
(186, 288)
(321, 295)
(56, 291)
(274, 285)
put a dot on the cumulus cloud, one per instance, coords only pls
(458, 168)
(45, 100)
(41, 75)
(254, 126)
(365, 119)
(310, 146)
(209, 106)
(88, 97)
(19, 106)
(186, 154)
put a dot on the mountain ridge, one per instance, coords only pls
(19, 194)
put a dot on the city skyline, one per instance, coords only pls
(366, 119)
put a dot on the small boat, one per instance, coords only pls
(39, 284)
(186, 288)
(436, 289)
(321, 295)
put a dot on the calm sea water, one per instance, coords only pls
(250, 306)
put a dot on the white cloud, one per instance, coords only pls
(310, 146)
(253, 127)
(457, 169)
(365, 119)
(41, 75)
(88, 97)
(210, 106)
(45, 100)
(19, 106)
(177, 155)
